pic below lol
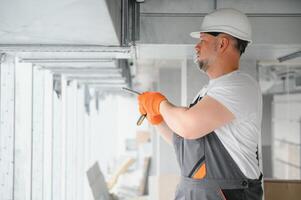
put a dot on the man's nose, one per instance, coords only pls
(197, 47)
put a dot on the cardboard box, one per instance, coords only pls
(282, 189)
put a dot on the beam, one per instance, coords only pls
(98, 79)
(62, 48)
(70, 76)
(100, 82)
(111, 64)
(105, 85)
(84, 70)
(166, 14)
(64, 60)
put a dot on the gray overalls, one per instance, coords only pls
(223, 179)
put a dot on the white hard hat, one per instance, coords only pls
(226, 20)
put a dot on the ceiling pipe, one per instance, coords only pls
(289, 56)
(85, 70)
(93, 78)
(64, 60)
(124, 23)
(97, 82)
(63, 48)
(146, 14)
(105, 85)
(130, 22)
(86, 80)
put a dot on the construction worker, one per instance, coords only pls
(216, 138)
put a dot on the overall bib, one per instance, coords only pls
(208, 171)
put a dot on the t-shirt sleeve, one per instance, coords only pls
(239, 97)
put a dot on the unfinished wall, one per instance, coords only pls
(169, 85)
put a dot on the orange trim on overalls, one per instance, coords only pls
(200, 173)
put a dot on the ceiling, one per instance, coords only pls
(77, 33)
(56, 22)
(75, 38)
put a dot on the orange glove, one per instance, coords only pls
(155, 120)
(149, 103)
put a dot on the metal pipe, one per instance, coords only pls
(142, 117)
(83, 70)
(99, 81)
(131, 91)
(64, 60)
(63, 48)
(145, 14)
(95, 78)
(92, 76)
(137, 22)
(290, 56)
(215, 4)
(106, 85)
(124, 23)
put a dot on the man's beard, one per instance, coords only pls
(203, 65)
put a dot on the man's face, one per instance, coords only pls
(206, 51)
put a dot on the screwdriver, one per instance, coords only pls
(142, 117)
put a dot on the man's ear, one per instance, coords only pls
(223, 44)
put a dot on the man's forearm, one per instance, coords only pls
(165, 132)
(175, 118)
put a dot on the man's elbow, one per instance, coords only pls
(190, 133)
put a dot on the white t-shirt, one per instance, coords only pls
(240, 94)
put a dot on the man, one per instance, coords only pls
(216, 138)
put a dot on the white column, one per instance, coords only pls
(58, 146)
(48, 118)
(23, 133)
(81, 172)
(7, 115)
(37, 134)
(88, 151)
(63, 138)
(71, 141)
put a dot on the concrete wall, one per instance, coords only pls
(170, 85)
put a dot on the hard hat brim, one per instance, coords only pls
(196, 34)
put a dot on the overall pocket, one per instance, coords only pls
(233, 194)
(204, 194)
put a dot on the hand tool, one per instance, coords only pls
(142, 117)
